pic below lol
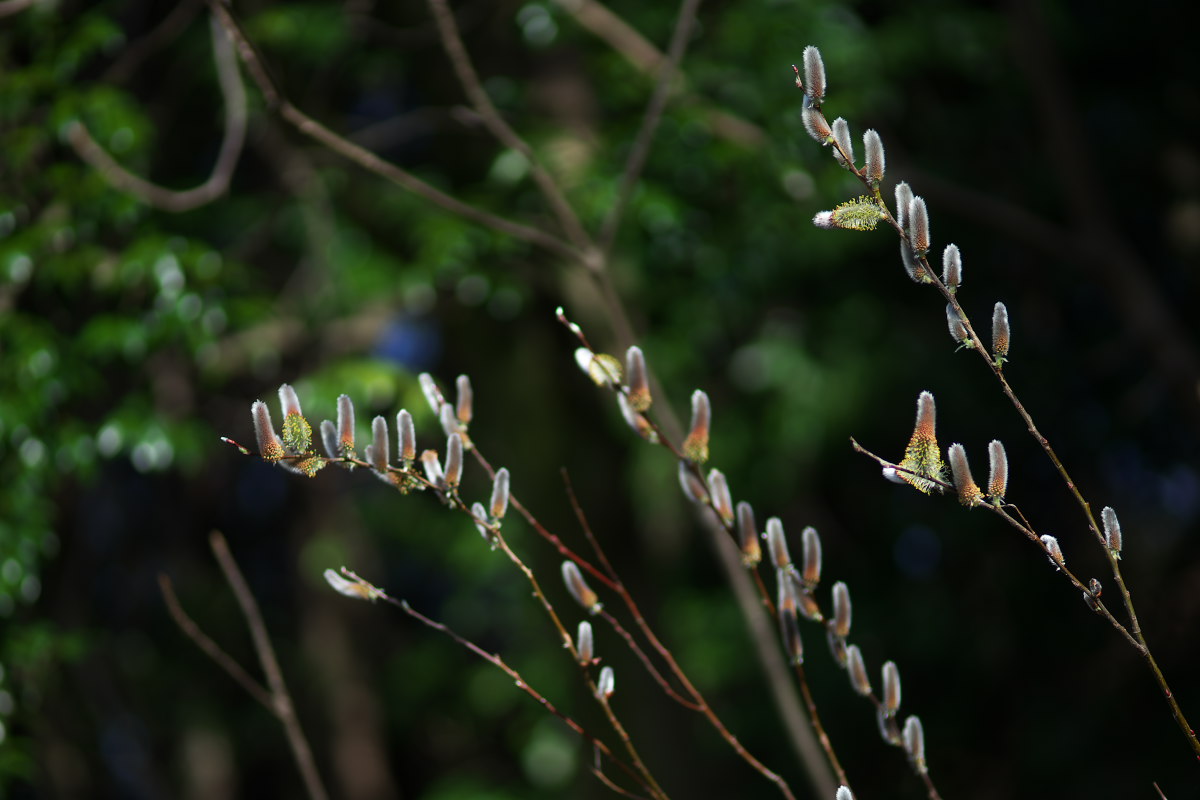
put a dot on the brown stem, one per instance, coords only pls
(281, 700)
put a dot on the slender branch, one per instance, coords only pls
(281, 700)
(211, 648)
(136, 52)
(217, 183)
(369, 160)
(654, 109)
(469, 78)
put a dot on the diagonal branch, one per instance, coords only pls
(217, 183)
(370, 161)
(281, 700)
(645, 136)
(469, 78)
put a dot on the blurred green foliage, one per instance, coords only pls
(132, 339)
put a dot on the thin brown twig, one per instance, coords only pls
(469, 79)
(281, 700)
(369, 160)
(211, 649)
(232, 140)
(654, 109)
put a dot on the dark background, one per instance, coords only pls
(1055, 143)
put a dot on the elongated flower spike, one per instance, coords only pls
(891, 688)
(718, 490)
(499, 503)
(811, 547)
(433, 395)
(777, 545)
(998, 472)
(958, 331)
(636, 379)
(378, 454)
(952, 268)
(904, 196)
(606, 684)
(297, 433)
(1000, 334)
(1053, 550)
(1112, 531)
(816, 125)
(814, 74)
(585, 643)
(840, 625)
(693, 487)
(969, 493)
(859, 214)
(358, 589)
(914, 743)
(874, 161)
(918, 226)
(464, 400)
(269, 446)
(858, 670)
(454, 460)
(695, 446)
(922, 455)
(579, 589)
(748, 536)
(844, 150)
(634, 419)
(407, 434)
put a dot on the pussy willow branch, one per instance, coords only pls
(1137, 637)
(498, 662)
(281, 700)
(217, 183)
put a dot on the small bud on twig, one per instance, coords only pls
(499, 503)
(918, 226)
(958, 331)
(378, 455)
(465, 400)
(407, 434)
(777, 544)
(952, 268)
(693, 487)
(843, 149)
(904, 196)
(1053, 550)
(638, 383)
(1112, 531)
(811, 549)
(840, 624)
(911, 265)
(584, 643)
(358, 589)
(578, 587)
(433, 469)
(816, 125)
(874, 161)
(695, 446)
(891, 688)
(1091, 595)
(481, 524)
(857, 670)
(998, 472)
(748, 536)
(640, 425)
(606, 683)
(1000, 334)
(269, 446)
(914, 743)
(814, 74)
(969, 493)
(329, 438)
(454, 460)
(718, 490)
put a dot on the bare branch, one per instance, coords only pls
(469, 78)
(231, 144)
(281, 700)
(654, 109)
